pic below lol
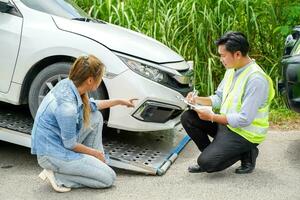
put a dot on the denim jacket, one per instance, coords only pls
(58, 121)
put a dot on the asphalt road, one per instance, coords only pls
(277, 177)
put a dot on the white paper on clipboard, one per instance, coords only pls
(195, 106)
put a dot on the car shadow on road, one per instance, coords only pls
(16, 156)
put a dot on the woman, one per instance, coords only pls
(67, 131)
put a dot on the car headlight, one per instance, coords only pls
(147, 71)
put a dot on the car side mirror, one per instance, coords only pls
(5, 6)
(191, 64)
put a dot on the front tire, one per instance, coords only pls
(48, 78)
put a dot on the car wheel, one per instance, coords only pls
(48, 78)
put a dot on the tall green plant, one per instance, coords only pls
(190, 27)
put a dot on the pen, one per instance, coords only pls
(195, 93)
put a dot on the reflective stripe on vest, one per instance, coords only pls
(232, 102)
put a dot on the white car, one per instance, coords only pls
(39, 40)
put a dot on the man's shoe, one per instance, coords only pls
(48, 175)
(247, 168)
(248, 163)
(195, 169)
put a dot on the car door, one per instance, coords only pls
(10, 36)
(290, 85)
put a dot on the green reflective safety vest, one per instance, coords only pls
(232, 102)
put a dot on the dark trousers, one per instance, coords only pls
(226, 147)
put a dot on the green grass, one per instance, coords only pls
(190, 28)
(280, 115)
(281, 118)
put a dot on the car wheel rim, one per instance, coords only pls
(48, 85)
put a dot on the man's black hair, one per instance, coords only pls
(234, 41)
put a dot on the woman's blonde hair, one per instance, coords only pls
(83, 68)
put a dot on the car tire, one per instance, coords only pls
(48, 78)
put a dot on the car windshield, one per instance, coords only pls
(63, 8)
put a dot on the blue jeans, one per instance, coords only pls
(87, 171)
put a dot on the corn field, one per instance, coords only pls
(190, 28)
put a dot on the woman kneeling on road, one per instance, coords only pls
(67, 131)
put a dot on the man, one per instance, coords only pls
(244, 98)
